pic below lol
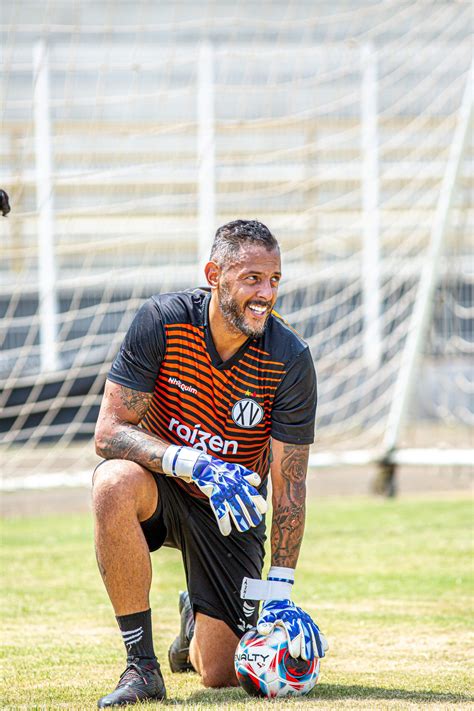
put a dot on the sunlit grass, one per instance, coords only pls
(389, 582)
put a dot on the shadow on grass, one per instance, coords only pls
(334, 692)
(353, 691)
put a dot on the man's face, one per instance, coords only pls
(248, 289)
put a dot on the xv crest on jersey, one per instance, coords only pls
(247, 413)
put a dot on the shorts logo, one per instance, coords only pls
(247, 413)
(244, 626)
(248, 609)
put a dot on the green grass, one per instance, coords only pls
(389, 582)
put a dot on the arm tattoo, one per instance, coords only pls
(136, 401)
(135, 444)
(122, 438)
(289, 509)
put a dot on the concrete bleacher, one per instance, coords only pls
(115, 195)
(287, 123)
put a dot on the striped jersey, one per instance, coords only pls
(228, 409)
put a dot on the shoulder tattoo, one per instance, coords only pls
(136, 401)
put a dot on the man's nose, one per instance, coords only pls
(265, 290)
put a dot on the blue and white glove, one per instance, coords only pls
(229, 487)
(304, 637)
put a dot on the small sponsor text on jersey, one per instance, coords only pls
(182, 386)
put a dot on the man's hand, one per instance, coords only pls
(229, 487)
(304, 638)
(231, 492)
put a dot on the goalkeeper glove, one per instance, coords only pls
(229, 487)
(304, 637)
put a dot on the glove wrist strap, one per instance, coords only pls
(281, 575)
(277, 587)
(180, 461)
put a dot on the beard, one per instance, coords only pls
(235, 315)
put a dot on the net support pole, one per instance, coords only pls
(372, 339)
(47, 298)
(206, 155)
(423, 306)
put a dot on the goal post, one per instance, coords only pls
(419, 324)
(423, 306)
(47, 298)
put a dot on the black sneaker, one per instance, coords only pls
(141, 681)
(178, 653)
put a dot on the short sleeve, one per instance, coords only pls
(294, 408)
(137, 363)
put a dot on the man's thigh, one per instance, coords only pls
(212, 651)
(214, 564)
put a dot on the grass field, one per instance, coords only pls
(390, 583)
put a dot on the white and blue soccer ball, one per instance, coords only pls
(264, 666)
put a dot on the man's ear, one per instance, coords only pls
(212, 272)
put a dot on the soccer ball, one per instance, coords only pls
(264, 666)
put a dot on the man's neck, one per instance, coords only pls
(227, 339)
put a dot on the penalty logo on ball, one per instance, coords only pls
(264, 666)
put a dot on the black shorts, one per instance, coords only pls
(214, 564)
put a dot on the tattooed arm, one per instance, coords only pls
(117, 435)
(289, 465)
(305, 639)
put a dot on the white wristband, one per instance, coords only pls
(278, 586)
(286, 575)
(180, 461)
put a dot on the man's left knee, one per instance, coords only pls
(218, 675)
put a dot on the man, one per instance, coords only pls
(210, 386)
(4, 203)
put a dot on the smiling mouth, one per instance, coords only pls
(258, 310)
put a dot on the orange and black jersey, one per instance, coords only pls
(228, 409)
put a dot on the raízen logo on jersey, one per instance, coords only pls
(247, 413)
(200, 439)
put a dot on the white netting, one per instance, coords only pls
(319, 109)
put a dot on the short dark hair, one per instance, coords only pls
(230, 238)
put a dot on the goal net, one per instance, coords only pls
(130, 131)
